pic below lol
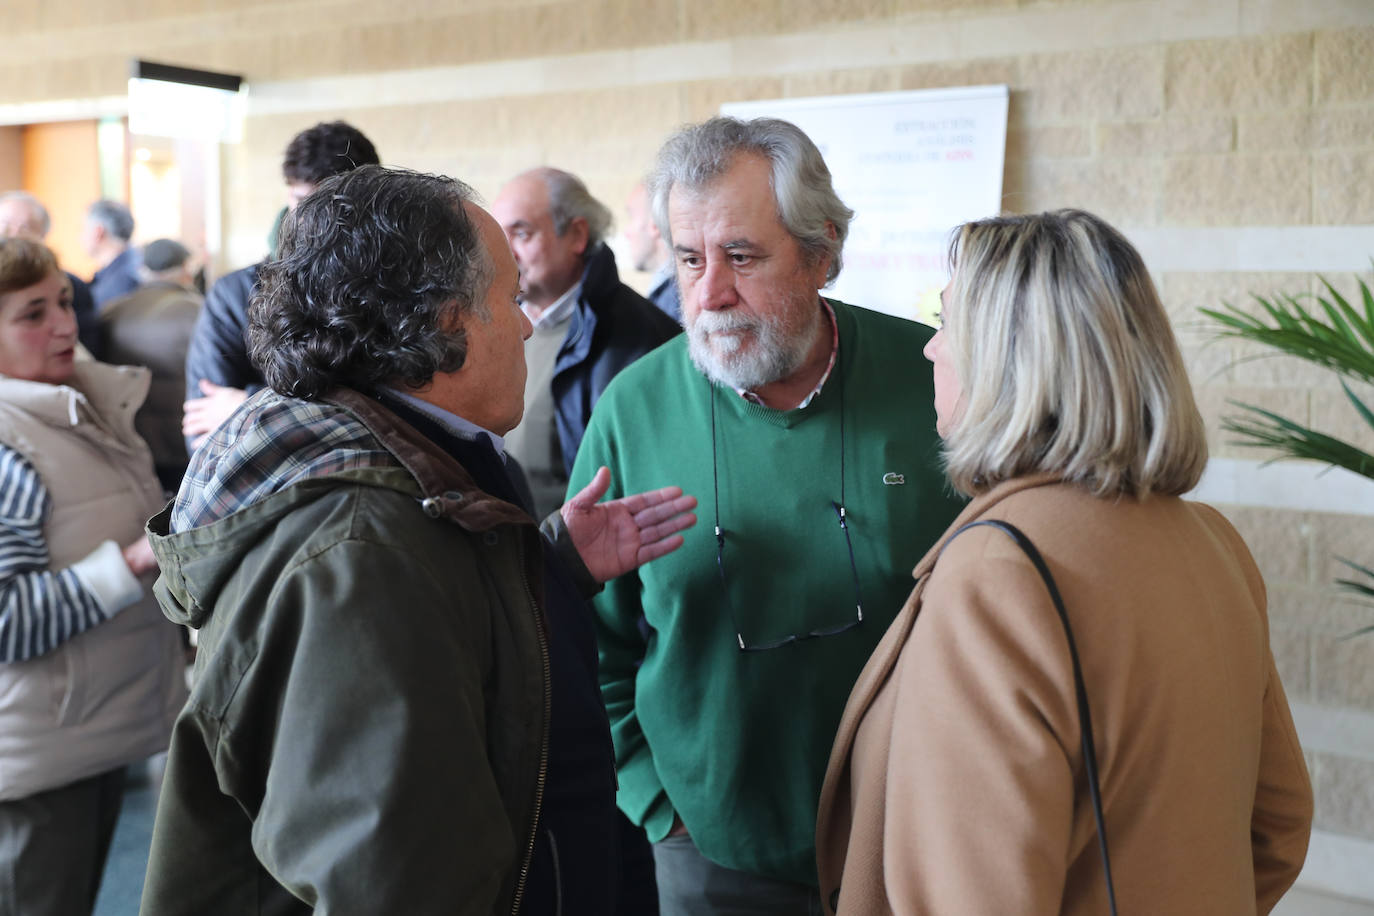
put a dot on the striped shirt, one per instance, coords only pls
(39, 608)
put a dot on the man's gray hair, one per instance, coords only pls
(569, 199)
(44, 220)
(114, 216)
(699, 154)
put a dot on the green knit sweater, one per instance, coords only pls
(736, 743)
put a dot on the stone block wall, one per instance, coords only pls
(1232, 139)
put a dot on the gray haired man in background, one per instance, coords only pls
(109, 227)
(587, 324)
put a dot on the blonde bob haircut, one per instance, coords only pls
(1066, 361)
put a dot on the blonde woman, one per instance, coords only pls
(957, 782)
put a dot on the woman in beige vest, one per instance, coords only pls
(90, 672)
(957, 782)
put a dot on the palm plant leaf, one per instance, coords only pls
(1334, 335)
(1266, 429)
(1364, 589)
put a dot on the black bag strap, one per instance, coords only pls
(1084, 718)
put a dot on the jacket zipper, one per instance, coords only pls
(543, 742)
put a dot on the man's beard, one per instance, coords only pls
(781, 341)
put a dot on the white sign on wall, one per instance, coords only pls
(912, 166)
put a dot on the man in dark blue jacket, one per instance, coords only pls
(587, 324)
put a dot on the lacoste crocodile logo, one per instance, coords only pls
(892, 479)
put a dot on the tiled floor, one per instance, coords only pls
(1299, 902)
(123, 883)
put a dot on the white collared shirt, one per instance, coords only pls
(560, 311)
(463, 429)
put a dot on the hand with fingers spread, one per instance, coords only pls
(617, 536)
(202, 416)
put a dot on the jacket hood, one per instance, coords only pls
(277, 454)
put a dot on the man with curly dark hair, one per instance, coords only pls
(219, 375)
(383, 626)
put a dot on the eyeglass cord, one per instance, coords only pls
(839, 507)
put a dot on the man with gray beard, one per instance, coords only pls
(806, 425)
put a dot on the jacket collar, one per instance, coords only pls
(599, 282)
(447, 490)
(108, 396)
(979, 506)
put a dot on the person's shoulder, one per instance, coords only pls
(627, 309)
(883, 326)
(236, 285)
(647, 378)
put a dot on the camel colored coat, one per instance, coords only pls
(956, 782)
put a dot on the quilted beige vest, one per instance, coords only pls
(108, 696)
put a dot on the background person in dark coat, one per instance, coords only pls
(109, 227)
(587, 324)
(152, 327)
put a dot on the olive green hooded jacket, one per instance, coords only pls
(367, 730)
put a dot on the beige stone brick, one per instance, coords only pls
(1120, 84)
(1343, 188)
(1349, 536)
(1321, 608)
(1293, 658)
(1343, 127)
(1246, 190)
(1244, 74)
(1184, 292)
(457, 126)
(1059, 141)
(634, 23)
(1208, 357)
(812, 14)
(1277, 16)
(1279, 539)
(564, 120)
(1176, 136)
(1343, 670)
(713, 19)
(22, 18)
(1345, 66)
(840, 82)
(1219, 402)
(1264, 367)
(1275, 132)
(989, 72)
(908, 7)
(701, 100)
(1345, 795)
(1122, 191)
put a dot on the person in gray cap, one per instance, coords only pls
(152, 326)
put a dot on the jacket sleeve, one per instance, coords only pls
(980, 791)
(218, 351)
(357, 741)
(621, 646)
(42, 608)
(1282, 822)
